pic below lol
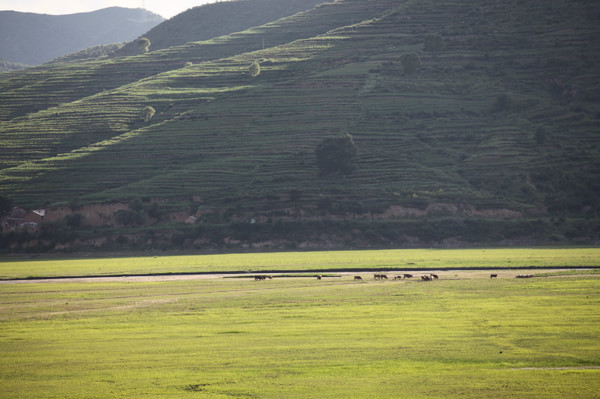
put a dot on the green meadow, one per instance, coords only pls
(461, 336)
(11, 268)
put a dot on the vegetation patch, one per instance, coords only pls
(295, 337)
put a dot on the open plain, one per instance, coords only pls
(463, 335)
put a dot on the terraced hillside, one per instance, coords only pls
(491, 136)
(218, 19)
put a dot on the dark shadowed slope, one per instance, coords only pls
(493, 135)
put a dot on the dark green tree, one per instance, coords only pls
(540, 136)
(336, 155)
(410, 62)
(433, 43)
(74, 220)
(6, 205)
(503, 103)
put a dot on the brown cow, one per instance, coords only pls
(408, 276)
(319, 277)
(524, 276)
(425, 278)
(434, 276)
(358, 278)
(493, 275)
(397, 277)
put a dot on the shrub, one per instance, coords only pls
(129, 218)
(410, 62)
(503, 103)
(6, 205)
(254, 69)
(433, 43)
(74, 219)
(143, 44)
(147, 113)
(336, 155)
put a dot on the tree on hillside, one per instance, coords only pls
(143, 44)
(410, 62)
(503, 103)
(147, 113)
(254, 69)
(336, 155)
(433, 43)
(6, 205)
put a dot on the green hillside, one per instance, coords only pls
(492, 138)
(218, 19)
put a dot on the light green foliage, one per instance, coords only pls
(143, 44)
(254, 69)
(458, 337)
(320, 260)
(147, 113)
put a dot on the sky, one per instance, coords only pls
(165, 8)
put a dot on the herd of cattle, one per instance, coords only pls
(424, 277)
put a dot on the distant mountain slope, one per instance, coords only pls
(33, 39)
(10, 66)
(39, 88)
(218, 19)
(472, 125)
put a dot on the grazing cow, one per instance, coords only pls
(434, 276)
(358, 278)
(319, 277)
(408, 275)
(383, 276)
(493, 275)
(377, 276)
(524, 276)
(425, 278)
(398, 278)
(259, 278)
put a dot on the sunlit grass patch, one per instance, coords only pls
(298, 338)
(405, 259)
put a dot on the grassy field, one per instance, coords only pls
(462, 336)
(286, 261)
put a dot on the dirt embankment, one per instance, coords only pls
(444, 209)
(93, 214)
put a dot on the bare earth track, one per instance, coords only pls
(458, 274)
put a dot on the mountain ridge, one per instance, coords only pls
(33, 39)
